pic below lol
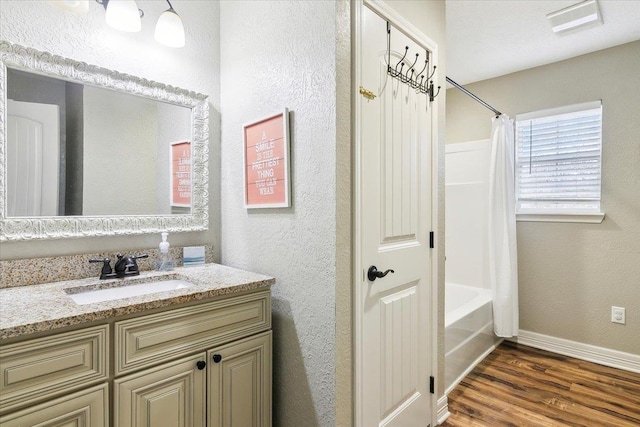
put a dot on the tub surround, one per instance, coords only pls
(44, 307)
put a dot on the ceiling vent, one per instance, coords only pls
(577, 17)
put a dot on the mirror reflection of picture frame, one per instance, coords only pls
(195, 218)
(180, 170)
(266, 162)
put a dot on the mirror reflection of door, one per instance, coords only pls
(33, 147)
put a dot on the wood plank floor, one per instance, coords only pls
(521, 386)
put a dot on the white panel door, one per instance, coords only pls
(33, 157)
(393, 316)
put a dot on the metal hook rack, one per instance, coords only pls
(419, 81)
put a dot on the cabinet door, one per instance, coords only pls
(169, 395)
(240, 383)
(87, 408)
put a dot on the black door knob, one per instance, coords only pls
(217, 358)
(201, 364)
(374, 274)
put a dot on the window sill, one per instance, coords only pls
(595, 218)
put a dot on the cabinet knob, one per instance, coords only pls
(217, 358)
(201, 364)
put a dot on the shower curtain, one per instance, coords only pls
(502, 251)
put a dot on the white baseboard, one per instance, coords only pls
(590, 353)
(443, 409)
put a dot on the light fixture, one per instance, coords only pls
(77, 6)
(576, 17)
(123, 15)
(169, 28)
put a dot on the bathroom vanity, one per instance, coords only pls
(190, 347)
(192, 356)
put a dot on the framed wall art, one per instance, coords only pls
(266, 162)
(180, 167)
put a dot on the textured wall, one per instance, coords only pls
(276, 55)
(571, 274)
(46, 27)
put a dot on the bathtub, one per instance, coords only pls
(468, 332)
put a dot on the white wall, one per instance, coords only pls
(276, 55)
(86, 37)
(571, 274)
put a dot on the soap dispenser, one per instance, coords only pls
(166, 263)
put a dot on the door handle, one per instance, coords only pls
(373, 273)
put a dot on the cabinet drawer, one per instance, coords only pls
(155, 338)
(88, 408)
(47, 367)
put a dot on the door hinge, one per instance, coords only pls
(432, 240)
(432, 385)
(367, 93)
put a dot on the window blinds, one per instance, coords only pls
(558, 158)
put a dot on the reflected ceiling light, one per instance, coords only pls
(123, 15)
(78, 6)
(169, 28)
(576, 17)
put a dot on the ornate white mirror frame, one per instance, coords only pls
(31, 228)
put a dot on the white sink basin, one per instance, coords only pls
(110, 294)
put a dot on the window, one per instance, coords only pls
(558, 164)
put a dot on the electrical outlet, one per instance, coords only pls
(618, 314)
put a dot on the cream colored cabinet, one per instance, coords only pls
(240, 383)
(46, 381)
(87, 408)
(144, 341)
(169, 395)
(203, 365)
(227, 386)
(38, 369)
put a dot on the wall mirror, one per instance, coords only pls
(87, 151)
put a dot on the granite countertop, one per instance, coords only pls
(29, 309)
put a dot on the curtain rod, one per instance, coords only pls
(498, 113)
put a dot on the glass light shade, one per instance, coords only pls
(169, 29)
(123, 15)
(77, 6)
